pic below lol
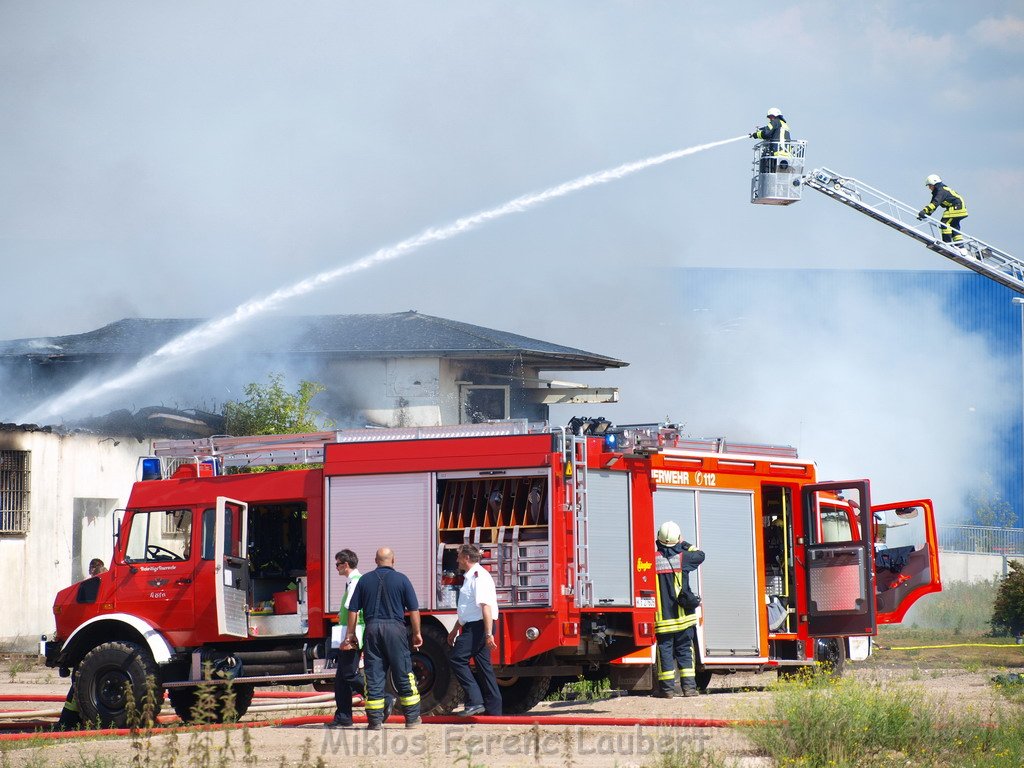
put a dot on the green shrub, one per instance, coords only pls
(1008, 609)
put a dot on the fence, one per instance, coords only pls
(981, 539)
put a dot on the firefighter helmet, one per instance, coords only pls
(669, 534)
(774, 112)
(932, 180)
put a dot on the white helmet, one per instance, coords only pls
(669, 534)
(932, 180)
(774, 112)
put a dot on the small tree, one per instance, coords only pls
(988, 507)
(272, 410)
(1008, 610)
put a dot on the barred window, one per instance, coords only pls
(14, 491)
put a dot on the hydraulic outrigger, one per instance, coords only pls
(778, 180)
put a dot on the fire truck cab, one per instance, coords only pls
(796, 571)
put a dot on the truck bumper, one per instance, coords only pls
(50, 651)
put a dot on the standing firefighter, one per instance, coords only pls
(954, 213)
(676, 616)
(384, 595)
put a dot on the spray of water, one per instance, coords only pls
(217, 331)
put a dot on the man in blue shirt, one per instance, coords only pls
(384, 595)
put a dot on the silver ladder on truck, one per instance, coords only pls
(308, 448)
(972, 253)
(574, 460)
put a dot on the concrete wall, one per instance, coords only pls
(972, 567)
(76, 483)
(421, 392)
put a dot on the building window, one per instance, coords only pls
(14, 491)
(482, 402)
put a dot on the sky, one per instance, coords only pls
(176, 159)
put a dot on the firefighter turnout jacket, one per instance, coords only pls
(672, 566)
(776, 131)
(954, 204)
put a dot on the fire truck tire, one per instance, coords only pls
(184, 700)
(703, 679)
(439, 689)
(830, 653)
(104, 676)
(521, 694)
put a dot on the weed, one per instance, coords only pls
(852, 724)
(18, 666)
(684, 758)
(582, 690)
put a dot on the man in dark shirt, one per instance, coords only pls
(384, 595)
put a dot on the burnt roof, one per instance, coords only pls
(399, 334)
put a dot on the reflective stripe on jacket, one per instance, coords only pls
(776, 130)
(672, 565)
(954, 204)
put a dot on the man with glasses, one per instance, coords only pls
(347, 680)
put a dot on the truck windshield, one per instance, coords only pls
(160, 536)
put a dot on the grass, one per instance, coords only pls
(582, 690)
(960, 608)
(968, 651)
(842, 723)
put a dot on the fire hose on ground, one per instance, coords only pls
(301, 700)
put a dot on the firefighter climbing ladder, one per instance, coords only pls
(778, 180)
(974, 254)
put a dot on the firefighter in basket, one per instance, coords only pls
(675, 619)
(775, 136)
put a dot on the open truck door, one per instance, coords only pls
(840, 584)
(906, 557)
(231, 575)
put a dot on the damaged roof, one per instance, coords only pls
(399, 334)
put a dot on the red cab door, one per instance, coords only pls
(840, 577)
(906, 557)
(154, 569)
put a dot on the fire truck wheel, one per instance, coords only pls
(439, 689)
(830, 653)
(703, 679)
(105, 675)
(521, 694)
(184, 702)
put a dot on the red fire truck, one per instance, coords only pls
(219, 574)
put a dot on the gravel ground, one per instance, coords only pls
(482, 744)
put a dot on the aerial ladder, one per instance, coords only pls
(779, 179)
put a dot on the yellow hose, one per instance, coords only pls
(951, 645)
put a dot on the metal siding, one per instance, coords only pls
(680, 506)
(610, 545)
(366, 512)
(728, 585)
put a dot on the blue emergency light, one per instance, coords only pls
(150, 468)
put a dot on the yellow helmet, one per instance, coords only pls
(669, 534)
